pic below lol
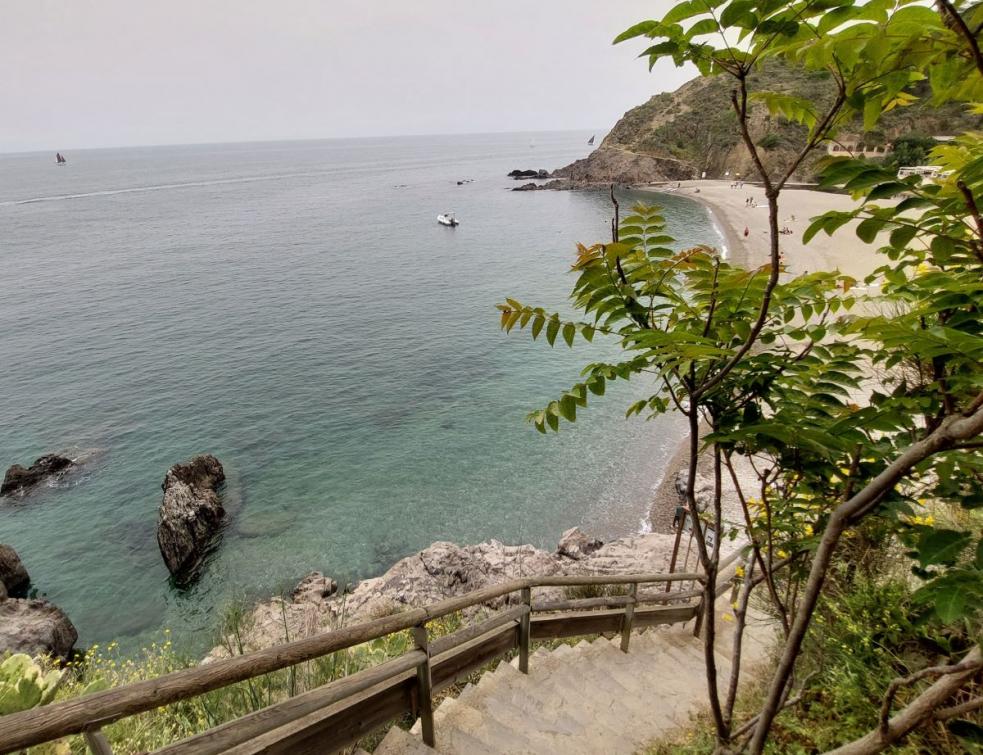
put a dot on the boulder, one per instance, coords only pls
(20, 479)
(190, 514)
(313, 588)
(703, 489)
(14, 578)
(35, 627)
(517, 174)
(576, 545)
(530, 187)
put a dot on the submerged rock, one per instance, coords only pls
(530, 187)
(20, 479)
(190, 514)
(35, 627)
(14, 579)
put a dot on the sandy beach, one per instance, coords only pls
(843, 251)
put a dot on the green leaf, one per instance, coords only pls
(552, 329)
(537, 326)
(568, 408)
(900, 237)
(950, 603)
(868, 229)
(941, 546)
(569, 331)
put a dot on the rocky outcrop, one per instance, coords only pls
(518, 174)
(14, 579)
(531, 187)
(682, 134)
(576, 545)
(702, 487)
(313, 588)
(444, 570)
(19, 480)
(190, 515)
(611, 165)
(35, 627)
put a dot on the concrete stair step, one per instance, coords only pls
(400, 742)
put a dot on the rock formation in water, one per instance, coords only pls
(20, 479)
(518, 174)
(445, 570)
(35, 627)
(14, 579)
(190, 514)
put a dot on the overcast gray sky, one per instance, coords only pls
(98, 73)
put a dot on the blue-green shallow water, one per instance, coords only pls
(287, 308)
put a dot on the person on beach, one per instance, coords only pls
(747, 232)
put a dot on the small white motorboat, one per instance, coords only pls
(447, 218)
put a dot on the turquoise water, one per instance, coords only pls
(295, 309)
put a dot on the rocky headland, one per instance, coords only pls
(683, 134)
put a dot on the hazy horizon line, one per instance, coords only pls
(291, 140)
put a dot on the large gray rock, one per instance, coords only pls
(702, 487)
(20, 479)
(35, 627)
(576, 545)
(313, 588)
(190, 514)
(13, 576)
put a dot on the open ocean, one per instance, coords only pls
(295, 309)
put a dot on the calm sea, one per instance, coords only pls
(295, 309)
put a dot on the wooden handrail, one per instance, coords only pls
(38, 725)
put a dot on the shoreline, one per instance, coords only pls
(797, 206)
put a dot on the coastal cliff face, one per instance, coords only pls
(678, 135)
(441, 571)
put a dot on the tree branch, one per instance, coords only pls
(952, 430)
(919, 711)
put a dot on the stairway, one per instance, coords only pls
(584, 699)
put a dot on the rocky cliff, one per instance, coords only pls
(678, 135)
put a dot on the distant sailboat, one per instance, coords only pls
(60, 158)
(590, 141)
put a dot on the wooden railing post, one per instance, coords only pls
(629, 616)
(524, 631)
(97, 742)
(424, 686)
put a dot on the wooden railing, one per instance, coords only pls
(336, 714)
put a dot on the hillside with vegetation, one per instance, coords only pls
(678, 135)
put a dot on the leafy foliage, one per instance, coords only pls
(858, 405)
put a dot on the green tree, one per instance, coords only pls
(910, 150)
(778, 368)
